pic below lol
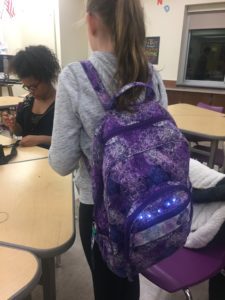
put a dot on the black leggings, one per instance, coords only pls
(217, 283)
(107, 286)
(214, 194)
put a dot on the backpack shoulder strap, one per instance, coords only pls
(106, 100)
(97, 84)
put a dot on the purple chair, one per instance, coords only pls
(201, 152)
(187, 267)
(211, 107)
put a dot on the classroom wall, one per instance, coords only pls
(33, 24)
(168, 25)
(58, 24)
(73, 36)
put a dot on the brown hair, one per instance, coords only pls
(125, 21)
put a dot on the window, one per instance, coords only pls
(202, 58)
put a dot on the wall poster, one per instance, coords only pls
(152, 49)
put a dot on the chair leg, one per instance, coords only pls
(222, 170)
(58, 262)
(188, 295)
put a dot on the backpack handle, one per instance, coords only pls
(106, 100)
(149, 90)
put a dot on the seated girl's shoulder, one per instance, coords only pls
(27, 102)
(29, 99)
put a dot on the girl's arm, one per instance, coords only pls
(65, 151)
(35, 140)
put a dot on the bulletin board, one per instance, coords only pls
(152, 49)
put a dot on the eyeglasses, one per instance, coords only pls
(31, 88)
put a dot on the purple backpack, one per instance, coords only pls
(141, 188)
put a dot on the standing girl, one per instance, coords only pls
(116, 33)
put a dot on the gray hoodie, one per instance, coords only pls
(77, 113)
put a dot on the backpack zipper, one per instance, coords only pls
(138, 125)
(134, 215)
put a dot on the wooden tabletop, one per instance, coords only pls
(19, 273)
(38, 206)
(7, 101)
(198, 121)
(183, 109)
(23, 153)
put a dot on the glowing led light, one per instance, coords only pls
(159, 210)
(149, 215)
(140, 217)
(168, 204)
(174, 200)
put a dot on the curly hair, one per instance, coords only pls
(37, 61)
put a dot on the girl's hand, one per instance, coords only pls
(9, 120)
(29, 141)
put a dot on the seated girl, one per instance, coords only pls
(38, 69)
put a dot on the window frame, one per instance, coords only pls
(185, 43)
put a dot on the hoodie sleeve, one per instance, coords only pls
(159, 89)
(65, 150)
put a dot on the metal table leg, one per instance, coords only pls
(10, 90)
(214, 146)
(48, 278)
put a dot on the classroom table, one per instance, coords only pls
(19, 273)
(8, 83)
(23, 153)
(9, 101)
(183, 109)
(40, 209)
(200, 122)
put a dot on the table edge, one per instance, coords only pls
(207, 136)
(26, 290)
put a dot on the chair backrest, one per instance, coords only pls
(187, 267)
(211, 107)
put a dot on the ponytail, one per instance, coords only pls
(129, 48)
(125, 21)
